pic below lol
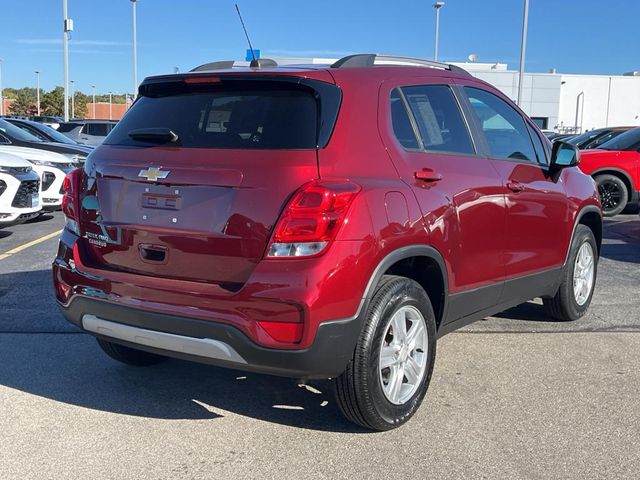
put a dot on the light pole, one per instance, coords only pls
(73, 102)
(94, 100)
(37, 72)
(523, 50)
(437, 6)
(110, 105)
(1, 97)
(67, 26)
(135, 52)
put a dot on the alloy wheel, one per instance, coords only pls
(403, 355)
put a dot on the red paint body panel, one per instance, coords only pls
(595, 161)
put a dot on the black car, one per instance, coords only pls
(596, 137)
(46, 133)
(12, 135)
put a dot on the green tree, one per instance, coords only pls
(23, 104)
(81, 104)
(52, 102)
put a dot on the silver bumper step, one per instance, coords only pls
(202, 347)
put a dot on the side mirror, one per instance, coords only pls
(564, 155)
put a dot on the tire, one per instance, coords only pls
(364, 392)
(129, 356)
(567, 304)
(614, 194)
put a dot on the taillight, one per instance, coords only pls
(312, 219)
(71, 199)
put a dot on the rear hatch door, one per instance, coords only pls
(190, 184)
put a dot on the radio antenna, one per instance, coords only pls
(253, 54)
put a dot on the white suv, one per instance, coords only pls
(51, 167)
(19, 191)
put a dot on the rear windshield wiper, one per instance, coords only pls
(154, 135)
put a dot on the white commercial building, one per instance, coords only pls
(556, 101)
(568, 102)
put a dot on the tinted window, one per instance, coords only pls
(401, 124)
(97, 129)
(55, 135)
(504, 129)
(585, 138)
(629, 140)
(31, 130)
(11, 131)
(605, 138)
(537, 145)
(67, 127)
(439, 120)
(227, 117)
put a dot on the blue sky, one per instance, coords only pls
(574, 36)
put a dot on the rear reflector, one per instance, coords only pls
(284, 332)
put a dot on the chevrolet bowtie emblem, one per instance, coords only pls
(153, 174)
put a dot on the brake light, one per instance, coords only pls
(201, 80)
(71, 199)
(312, 219)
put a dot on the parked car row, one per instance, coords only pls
(611, 155)
(33, 164)
(88, 132)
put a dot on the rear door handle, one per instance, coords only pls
(427, 175)
(515, 186)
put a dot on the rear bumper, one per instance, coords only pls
(214, 343)
(325, 295)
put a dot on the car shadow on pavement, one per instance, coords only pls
(70, 368)
(5, 233)
(621, 240)
(41, 354)
(42, 218)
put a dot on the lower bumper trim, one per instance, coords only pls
(201, 347)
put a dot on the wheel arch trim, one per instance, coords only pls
(394, 257)
(581, 213)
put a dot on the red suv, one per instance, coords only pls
(322, 222)
(615, 166)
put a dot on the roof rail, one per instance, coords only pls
(371, 59)
(226, 64)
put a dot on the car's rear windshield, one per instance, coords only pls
(629, 140)
(67, 127)
(241, 115)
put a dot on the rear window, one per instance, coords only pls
(97, 129)
(216, 116)
(67, 127)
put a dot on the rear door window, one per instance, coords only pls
(227, 116)
(438, 118)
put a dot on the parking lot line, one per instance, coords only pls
(24, 246)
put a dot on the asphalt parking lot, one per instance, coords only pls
(513, 396)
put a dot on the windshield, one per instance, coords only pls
(55, 135)
(15, 133)
(584, 138)
(629, 140)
